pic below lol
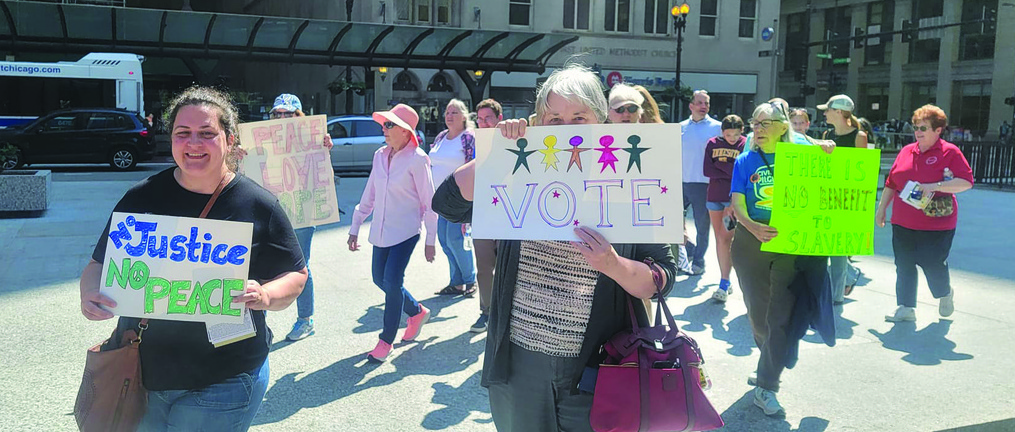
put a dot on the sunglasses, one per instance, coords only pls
(389, 125)
(278, 115)
(629, 108)
(924, 128)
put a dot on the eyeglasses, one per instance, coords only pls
(763, 124)
(631, 108)
(281, 114)
(389, 125)
(923, 128)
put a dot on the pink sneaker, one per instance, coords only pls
(380, 352)
(415, 323)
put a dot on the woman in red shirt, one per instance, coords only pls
(922, 230)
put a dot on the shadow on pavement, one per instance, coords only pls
(843, 326)
(373, 319)
(687, 287)
(288, 395)
(711, 313)
(1000, 425)
(459, 403)
(925, 347)
(744, 416)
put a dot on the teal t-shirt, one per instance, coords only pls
(755, 180)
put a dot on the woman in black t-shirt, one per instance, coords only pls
(191, 384)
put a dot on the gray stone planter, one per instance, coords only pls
(25, 190)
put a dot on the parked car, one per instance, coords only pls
(356, 139)
(81, 135)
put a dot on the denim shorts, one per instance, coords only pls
(717, 205)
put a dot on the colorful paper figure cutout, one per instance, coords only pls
(607, 158)
(523, 156)
(550, 153)
(635, 152)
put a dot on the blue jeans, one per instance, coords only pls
(695, 197)
(228, 406)
(842, 273)
(305, 302)
(389, 274)
(461, 262)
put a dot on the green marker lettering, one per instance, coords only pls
(208, 288)
(175, 297)
(119, 274)
(321, 203)
(139, 272)
(150, 295)
(228, 286)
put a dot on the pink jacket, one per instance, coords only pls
(399, 197)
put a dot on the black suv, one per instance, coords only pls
(81, 135)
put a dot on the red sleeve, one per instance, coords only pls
(959, 165)
(708, 165)
(890, 178)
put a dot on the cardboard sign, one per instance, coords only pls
(824, 204)
(286, 156)
(622, 180)
(176, 268)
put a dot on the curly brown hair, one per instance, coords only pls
(228, 116)
(931, 114)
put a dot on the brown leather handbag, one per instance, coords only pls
(111, 397)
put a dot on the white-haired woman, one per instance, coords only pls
(764, 276)
(549, 320)
(453, 148)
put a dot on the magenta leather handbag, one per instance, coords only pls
(652, 380)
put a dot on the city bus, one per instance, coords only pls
(98, 80)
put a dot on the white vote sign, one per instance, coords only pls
(623, 180)
(176, 268)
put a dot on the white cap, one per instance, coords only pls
(839, 102)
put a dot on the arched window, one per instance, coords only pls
(440, 83)
(404, 82)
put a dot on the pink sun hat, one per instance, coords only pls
(401, 115)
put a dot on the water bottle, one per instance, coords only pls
(468, 237)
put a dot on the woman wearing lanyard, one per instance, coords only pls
(923, 237)
(398, 194)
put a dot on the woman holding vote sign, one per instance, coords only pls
(549, 320)
(398, 194)
(192, 385)
(764, 276)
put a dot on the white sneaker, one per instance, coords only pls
(721, 295)
(902, 314)
(766, 400)
(947, 305)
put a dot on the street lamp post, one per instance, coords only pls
(679, 14)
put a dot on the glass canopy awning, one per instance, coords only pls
(58, 27)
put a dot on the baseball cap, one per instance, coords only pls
(839, 102)
(623, 94)
(288, 102)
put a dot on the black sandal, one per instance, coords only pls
(450, 290)
(470, 290)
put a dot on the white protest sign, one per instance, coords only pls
(286, 156)
(623, 180)
(176, 268)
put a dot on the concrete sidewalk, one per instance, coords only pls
(928, 376)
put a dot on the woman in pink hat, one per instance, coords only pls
(398, 192)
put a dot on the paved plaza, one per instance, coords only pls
(932, 375)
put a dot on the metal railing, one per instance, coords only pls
(993, 162)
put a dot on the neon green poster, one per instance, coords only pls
(823, 204)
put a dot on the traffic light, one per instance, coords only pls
(908, 31)
(858, 39)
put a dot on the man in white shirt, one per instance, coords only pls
(488, 114)
(695, 133)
